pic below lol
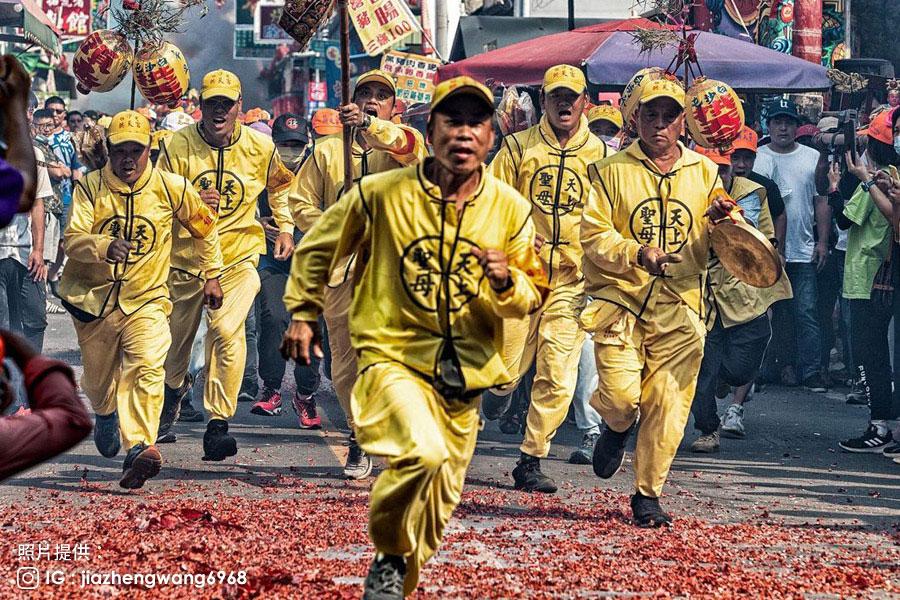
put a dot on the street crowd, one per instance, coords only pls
(459, 275)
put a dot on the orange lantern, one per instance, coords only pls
(101, 61)
(715, 116)
(162, 74)
(631, 95)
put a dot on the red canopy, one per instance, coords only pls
(524, 63)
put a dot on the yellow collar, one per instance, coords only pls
(119, 186)
(578, 139)
(434, 191)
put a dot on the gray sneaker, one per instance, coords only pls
(706, 444)
(359, 464)
(385, 578)
(584, 454)
(733, 422)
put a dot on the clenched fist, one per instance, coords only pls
(495, 266)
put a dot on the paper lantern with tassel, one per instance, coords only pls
(714, 113)
(101, 61)
(162, 74)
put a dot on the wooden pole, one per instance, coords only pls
(345, 90)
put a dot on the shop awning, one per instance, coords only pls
(476, 35)
(36, 27)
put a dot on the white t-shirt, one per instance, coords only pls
(795, 174)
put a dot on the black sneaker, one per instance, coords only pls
(217, 444)
(872, 441)
(528, 476)
(647, 512)
(511, 423)
(494, 406)
(189, 414)
(170, 411)
(892, 450)
(584, 454)
(857, 395)
(141, 463)
(106, 434)
(385, 578)
(815, 383)
(609, 452)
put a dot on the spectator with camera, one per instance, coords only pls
(870, 275)
(793, 168)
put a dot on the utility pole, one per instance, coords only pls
(441, 24)
(571, 15)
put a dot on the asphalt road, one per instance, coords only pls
(788, 474)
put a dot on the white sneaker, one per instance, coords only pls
(733, 422)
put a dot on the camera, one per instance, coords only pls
(838, 134)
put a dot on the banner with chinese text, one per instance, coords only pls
(413, 73)
(381, 23)
(71, 17)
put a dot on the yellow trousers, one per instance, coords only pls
(123, 367)
(428, 442)
(649, 366)
(343, 358)
(226, 342)
(553, 337)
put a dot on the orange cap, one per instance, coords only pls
(746, 140)
(714, 155)
(881, 128)
(327, 121)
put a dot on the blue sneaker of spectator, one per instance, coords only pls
(106, 434)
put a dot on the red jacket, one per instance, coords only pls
(58, 419)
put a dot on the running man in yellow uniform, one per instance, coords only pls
(119, 242)
(646, 247)
(230, 165)
(378, 145)
(548, 165)
(449, 253)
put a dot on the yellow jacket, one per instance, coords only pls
(240, 171)
(402, 310)
(636, 204)
(555, 180)
(733, 301)
(105, 209)
(320, 180)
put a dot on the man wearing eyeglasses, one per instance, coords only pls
(230, 165)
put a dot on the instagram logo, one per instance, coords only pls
(27, 578)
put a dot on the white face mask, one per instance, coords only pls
(291, 156)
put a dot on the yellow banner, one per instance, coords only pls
(381, 23)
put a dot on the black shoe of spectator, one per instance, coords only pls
(527, 476)
(815, 383)
(609, 451)
(217, 444)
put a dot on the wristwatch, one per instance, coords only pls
(868, 185)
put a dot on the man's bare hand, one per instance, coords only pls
(284, 246)
(834, 177)
(719, 209)
(495, 265)
(212, 294)
(301, 342)
(210, 197)
(36, 266)
(352, 115)
(655, 260)
(539, 241)
(118, 250)
(269, 228)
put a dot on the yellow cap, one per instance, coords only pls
(464, 85)
(220, 83)
(662, 88)
(379, 76)
(564, 76)
(129, 126)
(606, 112)
(159, 134)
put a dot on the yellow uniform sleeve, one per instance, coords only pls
(603, 245)
(307, 194)
(530, 287)
(503, 165)
(200, 221)
(404, 144)
(278, 184)
(81, 244)
(337, 235)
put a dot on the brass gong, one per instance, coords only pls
(746, 253)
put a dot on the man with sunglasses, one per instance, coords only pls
(230, 166)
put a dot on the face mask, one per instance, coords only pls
(291, 156)
(897, 144)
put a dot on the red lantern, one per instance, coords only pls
(162, 74)
(101, 61)
(714, 113)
